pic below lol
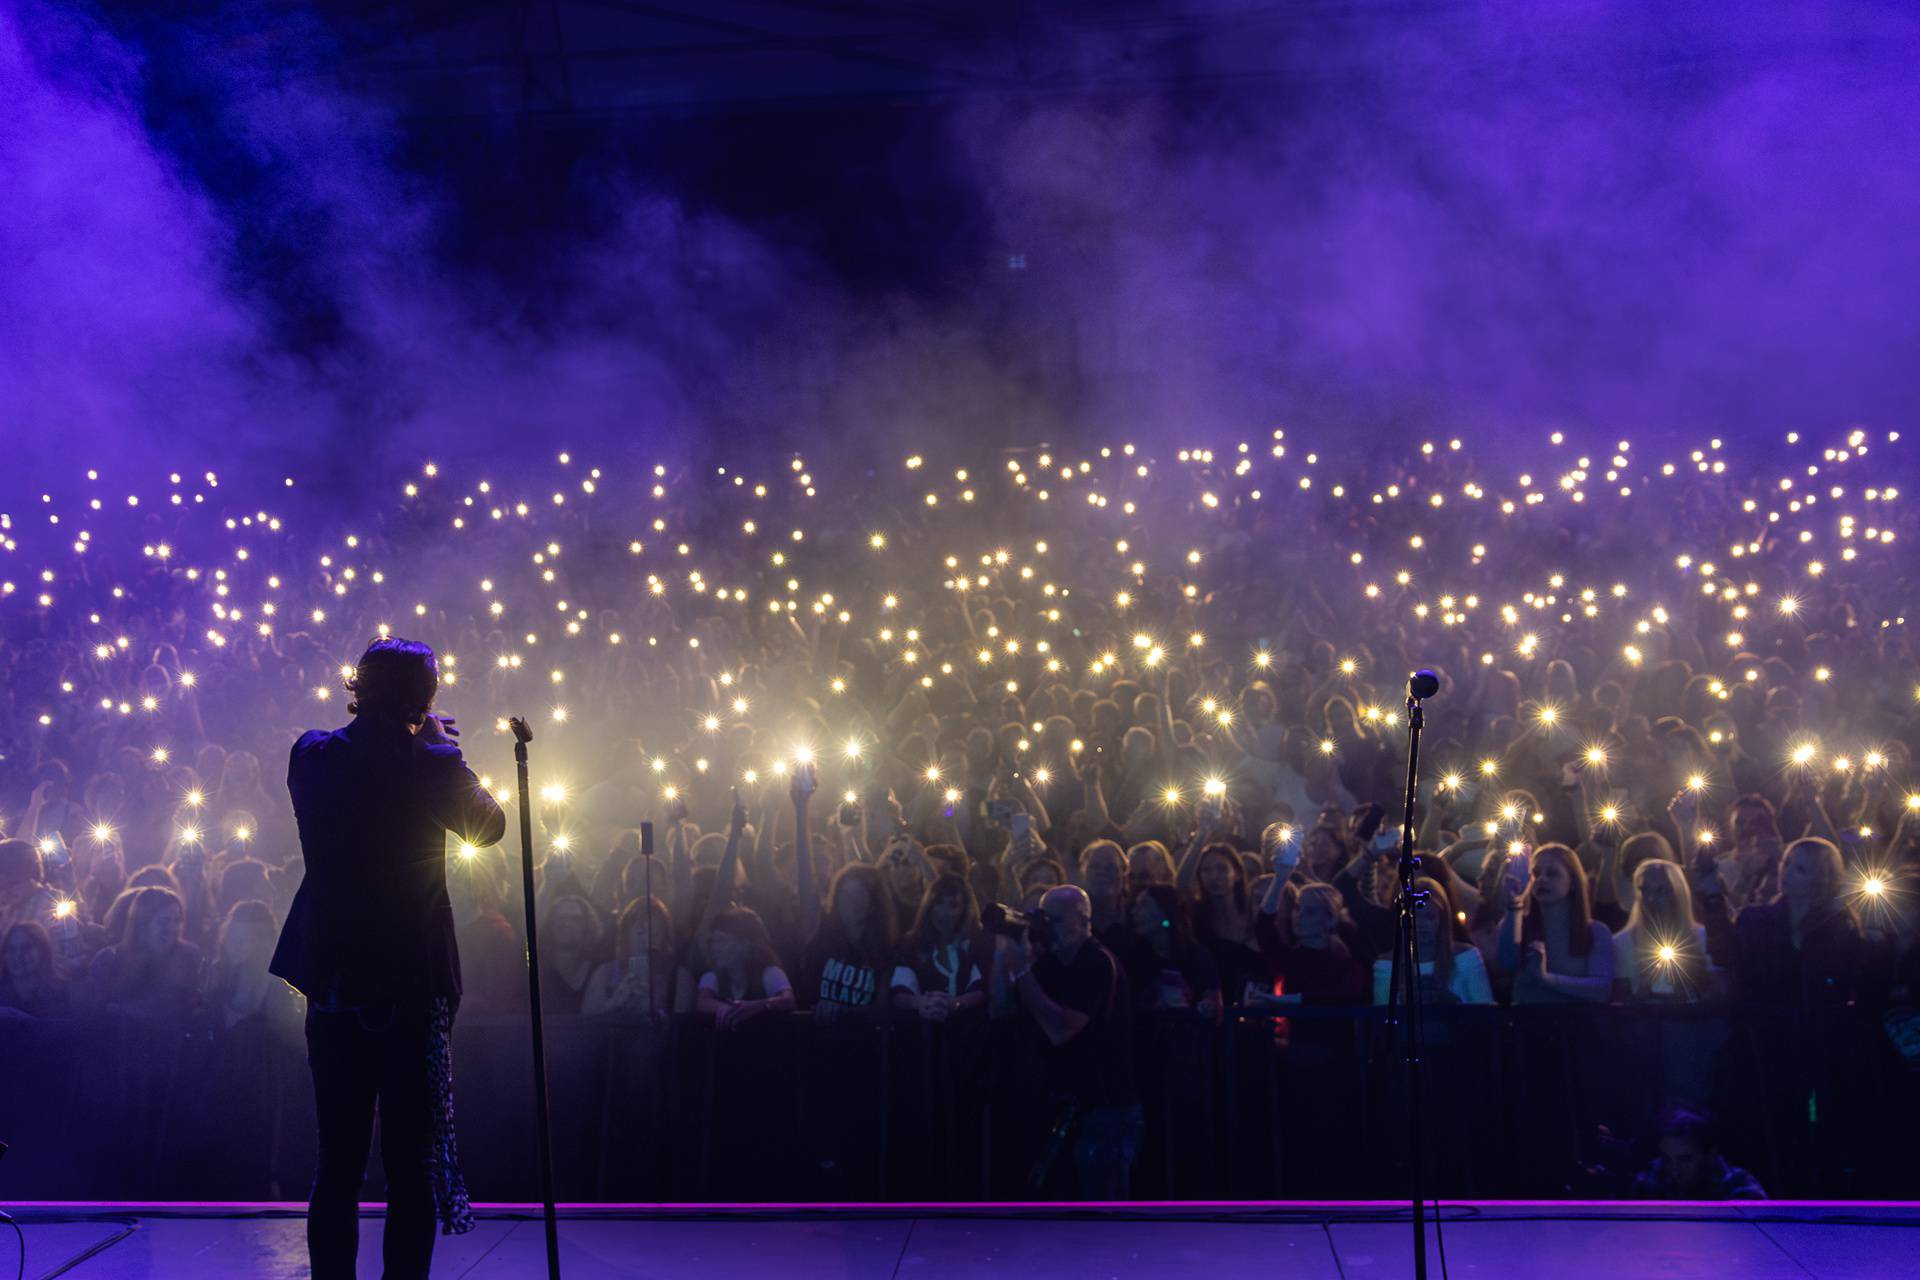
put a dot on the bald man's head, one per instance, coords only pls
(1071, 912)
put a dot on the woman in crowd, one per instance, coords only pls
(1167, 965)
(939, 972)
(1103, 874)
(150, 974)
(1148, 862)
(1620, 871)
(851, 955)
(643, 980)
(1550, 941)
(1036, 877)
(30, 983)
(24, 894)
(1661, 954)
(1223, 915)
(238, 984)
(1318, 966)
(1451, 972)
(570, 937)
(1806, 947)
(746, 981)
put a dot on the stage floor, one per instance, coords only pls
(1343, 1241)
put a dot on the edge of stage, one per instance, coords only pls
(1338, 1239)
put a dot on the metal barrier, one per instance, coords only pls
(1528, 1102)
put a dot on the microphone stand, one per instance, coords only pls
(522, 735)
(1406, 960)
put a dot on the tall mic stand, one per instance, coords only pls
(1406, 961)
(522, 735)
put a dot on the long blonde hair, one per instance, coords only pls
(1674, 928)
(1676, 923)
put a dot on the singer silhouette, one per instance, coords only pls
(369, 941)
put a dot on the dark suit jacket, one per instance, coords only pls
(371, 922)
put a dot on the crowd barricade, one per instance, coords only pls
(1517, 1103)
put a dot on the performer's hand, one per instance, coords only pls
(438, 730)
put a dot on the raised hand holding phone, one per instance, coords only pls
(1519, 872)
(1282, 847)
(804, 782)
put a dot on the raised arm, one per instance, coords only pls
(454, 795)
(760, 855)
(801, 792)
(1285, 850)
(1188, 874)
(1029, 799)
(1090, 772)
(723, 887)
(679, 858)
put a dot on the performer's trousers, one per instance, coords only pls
(360, 1059)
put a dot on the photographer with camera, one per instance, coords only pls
(1074, 991)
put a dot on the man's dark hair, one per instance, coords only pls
(395, 678)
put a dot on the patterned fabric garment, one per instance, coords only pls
(450, 1203)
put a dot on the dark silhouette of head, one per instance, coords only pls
(396, 679)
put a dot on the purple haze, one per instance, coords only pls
(1645, 219)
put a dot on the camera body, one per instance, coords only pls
(1003, 921)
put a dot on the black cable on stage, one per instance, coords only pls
(21, 1271)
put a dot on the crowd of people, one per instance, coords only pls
(1063, 738)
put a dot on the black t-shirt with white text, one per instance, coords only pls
(841, 976)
